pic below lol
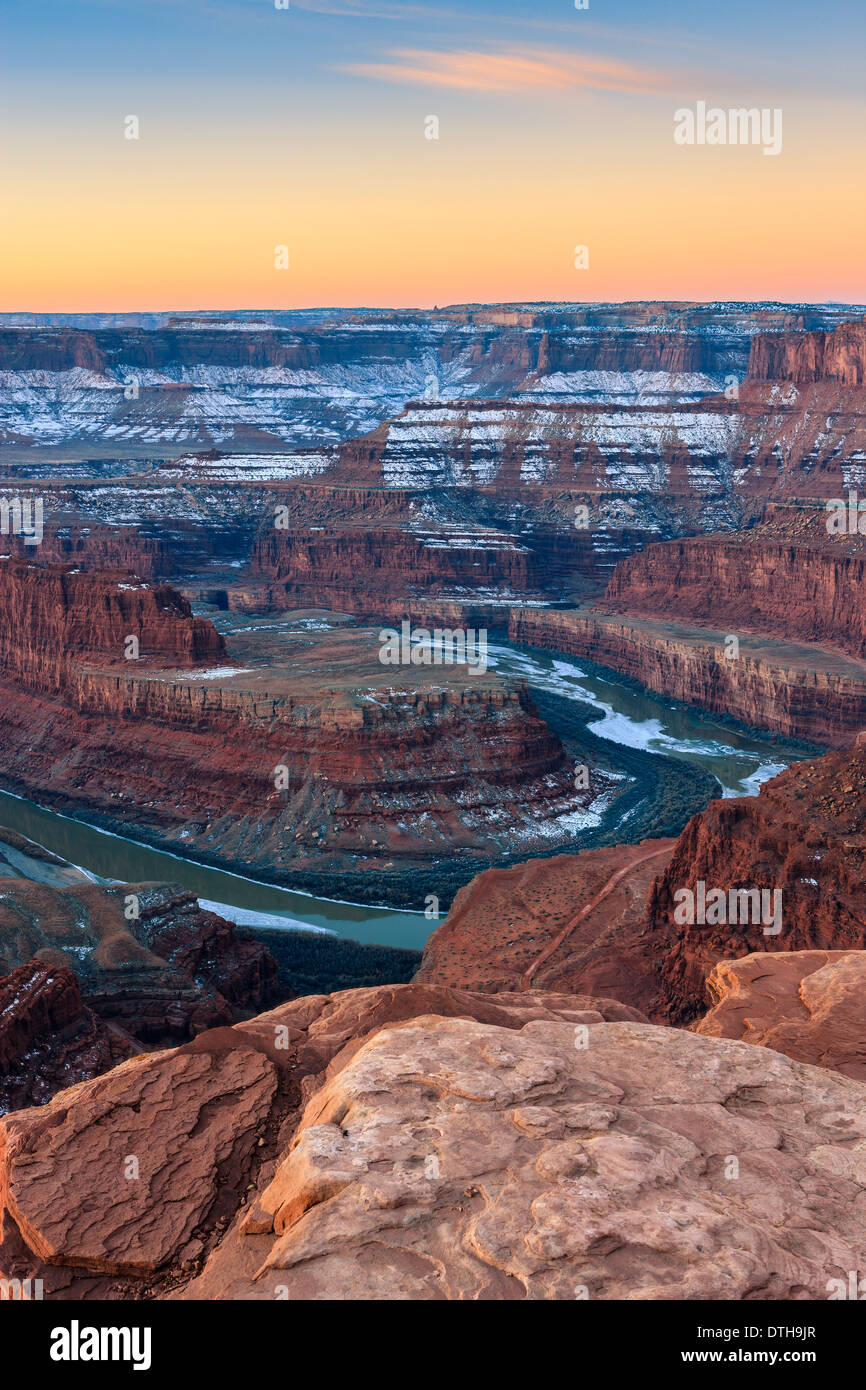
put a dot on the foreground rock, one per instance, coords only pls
(454, 1160)
(238, 1093)
(811, 1005)
(163, 974)
(428, 1143)
(48, 1038)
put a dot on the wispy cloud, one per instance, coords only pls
(510, 70)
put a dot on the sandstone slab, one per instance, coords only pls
(452, 1159)
(811, 1005)
(208, 1124)
(115, 1175)
(370, 1146)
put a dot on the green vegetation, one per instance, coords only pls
(319, 963)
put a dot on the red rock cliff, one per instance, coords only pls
(48, 1038)
(55, 617)
(794, 691)
(98, 548)
(839, 355)
(786, 577)
(355, 568)
(803, 835)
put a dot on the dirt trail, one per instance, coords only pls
(554, 945)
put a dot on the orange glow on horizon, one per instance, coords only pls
(385, 217)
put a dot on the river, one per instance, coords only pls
(625, 716)
(639, 719)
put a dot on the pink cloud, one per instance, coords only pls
(510, 71)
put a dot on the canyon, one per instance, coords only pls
(548, 444)
(191, 658)
(659, 421)
(292, 379)
(324, 765)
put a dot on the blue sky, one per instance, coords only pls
(789, 43)
(305, 125)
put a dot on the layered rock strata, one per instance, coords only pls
(805, 692)
(143, 551)
(283, 379)
(367, 570)
(788, 577)
(315, 755)
(145, 955)
(49, 1039)
(839, 355)
(802, 838)
(537, 435)
(54, 618)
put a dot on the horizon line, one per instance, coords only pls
(437, 308)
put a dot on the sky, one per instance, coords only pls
(310, 126)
